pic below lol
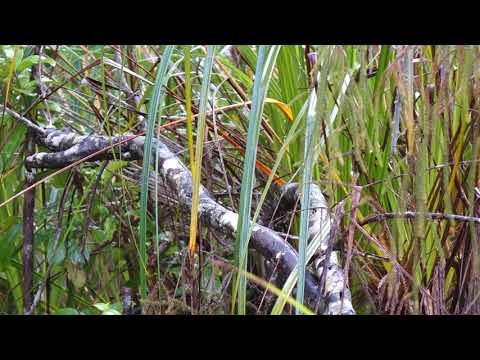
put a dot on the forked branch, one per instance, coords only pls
(69, 147)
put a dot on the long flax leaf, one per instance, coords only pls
(188, 107)
(153, 110)
(291, 136)
(316, 109)
(201, 124)
(247, 187)
(305, 199)
(156, 196)
(264, 69)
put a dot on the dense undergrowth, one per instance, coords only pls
(381, 129)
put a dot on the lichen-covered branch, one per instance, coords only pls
(264, 240)
(69, 147)
(320, 224)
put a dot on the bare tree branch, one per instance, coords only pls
(23, 120)
(336, 300)
(413, 214)
(69, 147)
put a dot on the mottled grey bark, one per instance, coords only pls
(28, 213)
(264, 240)
(126, 294)
(28, 230)
(335, 301)
(69, 147)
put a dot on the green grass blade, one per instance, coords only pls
(201, 122)
(384, 54)
(264, 68)
(154, 110)
(317, 109)
(302, 309)
(305, 200)
(188, 106)
(293, 133)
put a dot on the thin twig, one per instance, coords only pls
(24, 120)
(28, 229)
(89, 207)
(56, 243)
(413, 214)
